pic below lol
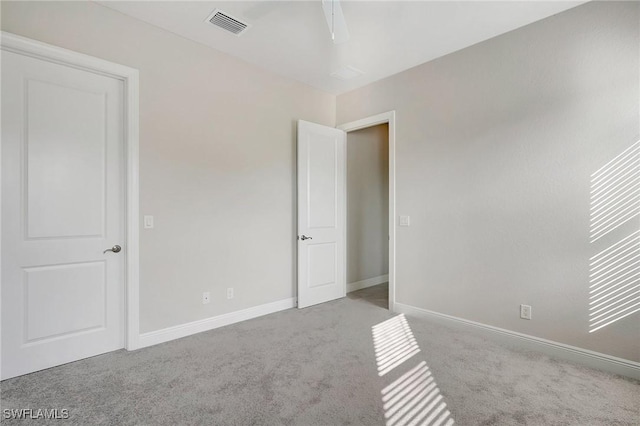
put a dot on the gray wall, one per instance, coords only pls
(495, 147)
(496, 144)
(367, 203)
(217, 157)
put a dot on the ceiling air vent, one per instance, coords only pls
(227, 22)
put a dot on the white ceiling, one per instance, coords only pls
(291, 38)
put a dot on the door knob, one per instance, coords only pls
(304, 237)
(115, 249)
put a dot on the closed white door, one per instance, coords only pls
(62, 206)
(321, 214)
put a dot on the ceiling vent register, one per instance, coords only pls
(227, 22)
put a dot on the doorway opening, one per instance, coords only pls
(370, 234)
(367, 162)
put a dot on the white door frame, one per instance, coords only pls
(129, 76)
(389, 118)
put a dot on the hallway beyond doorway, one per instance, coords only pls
(377, 295)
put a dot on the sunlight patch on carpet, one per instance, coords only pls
(413, 398)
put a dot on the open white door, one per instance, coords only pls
(321, 214)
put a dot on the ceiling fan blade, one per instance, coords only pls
(335, 20)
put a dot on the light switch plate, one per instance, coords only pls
(148, 222)
(405, 220)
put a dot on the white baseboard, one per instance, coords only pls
(369, 282)
(183, 330)
(586, 357)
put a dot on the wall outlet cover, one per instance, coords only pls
(525, 312)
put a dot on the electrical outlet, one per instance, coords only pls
(525, 312)
(230, 293)
(206, 298)
(405, 220)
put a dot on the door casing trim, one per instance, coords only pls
(388, 117)
(130, 77)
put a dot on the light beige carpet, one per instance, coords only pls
(318, 366)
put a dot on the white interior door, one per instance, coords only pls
(321, 214)
(62, 205)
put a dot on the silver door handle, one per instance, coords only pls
(304, 237)
(115, 249)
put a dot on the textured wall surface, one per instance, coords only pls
(367, 203)
(496, 145)
(217, 160)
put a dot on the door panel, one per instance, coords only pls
(321, 214)
(62, 205)
(61, 120)
(322, 264)
(322, 164)
(45, 296)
